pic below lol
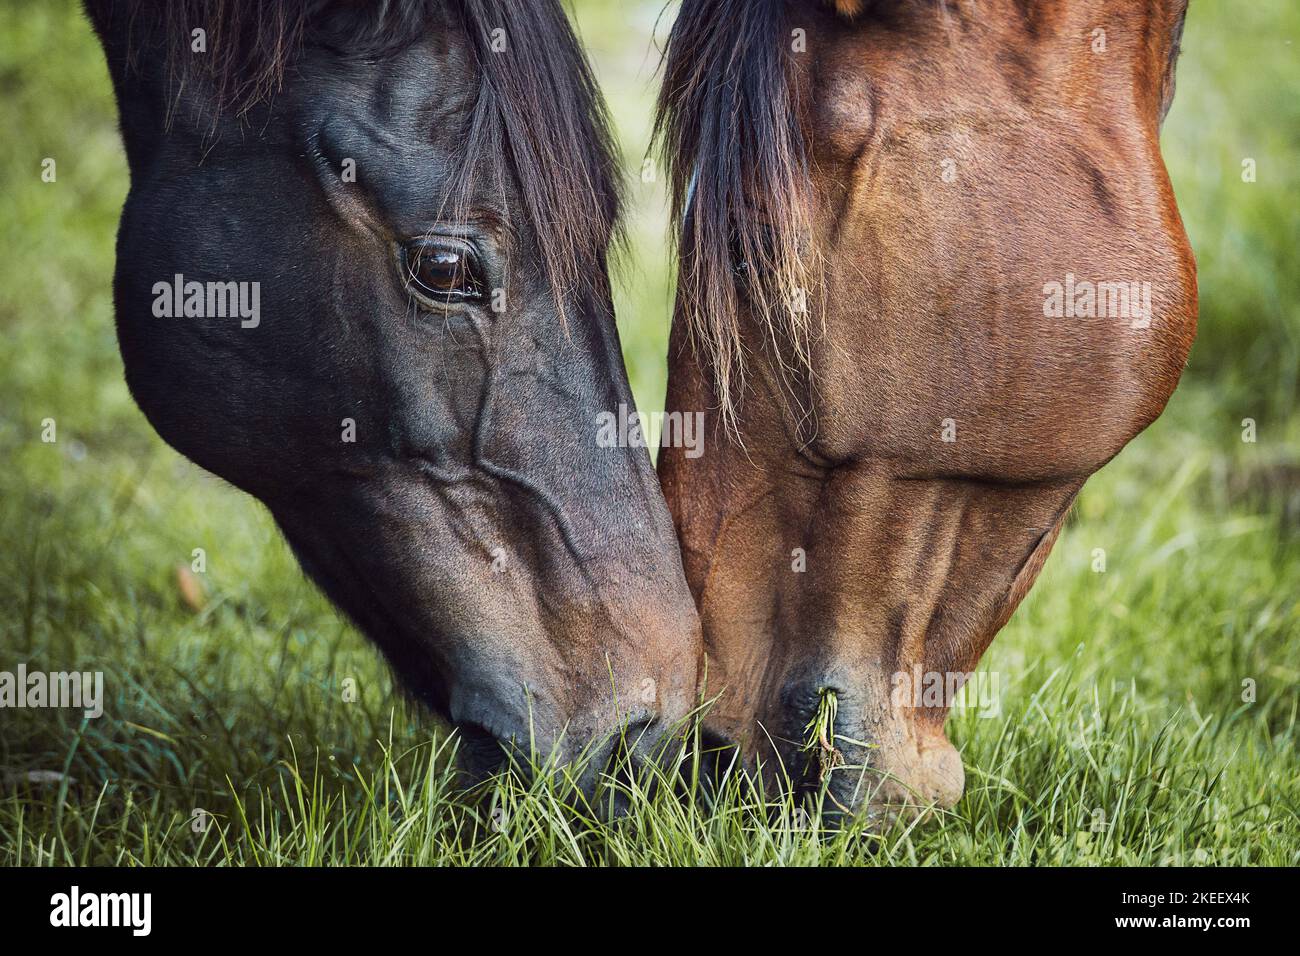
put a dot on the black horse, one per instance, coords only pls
(361, 274)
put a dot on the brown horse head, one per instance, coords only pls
(932, 278)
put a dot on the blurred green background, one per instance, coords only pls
(1203, 564)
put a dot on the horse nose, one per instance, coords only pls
(590, 749)
(500, 724)
(848, 735)
(480, 752)
(644, 743)
(637, 756)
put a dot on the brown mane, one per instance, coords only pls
(727, 122)
(848, 8)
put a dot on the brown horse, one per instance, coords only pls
(932, 277)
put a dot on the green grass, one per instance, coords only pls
(1123, 735)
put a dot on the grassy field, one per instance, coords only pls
(1148, 711)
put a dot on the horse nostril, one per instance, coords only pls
(649, 741)
(623, 765)
(637, 730)
(620, 751)
(480, 752)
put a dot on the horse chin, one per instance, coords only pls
(906, 784)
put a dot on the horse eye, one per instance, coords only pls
(443, 270)
(741, 268)
(739, 264)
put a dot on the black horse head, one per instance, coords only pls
(361, 274)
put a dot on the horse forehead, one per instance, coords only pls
(401, 119)
(868, 85)
(421, 94)
(965, 58)
(845, 113)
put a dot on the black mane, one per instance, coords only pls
(538, 103)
